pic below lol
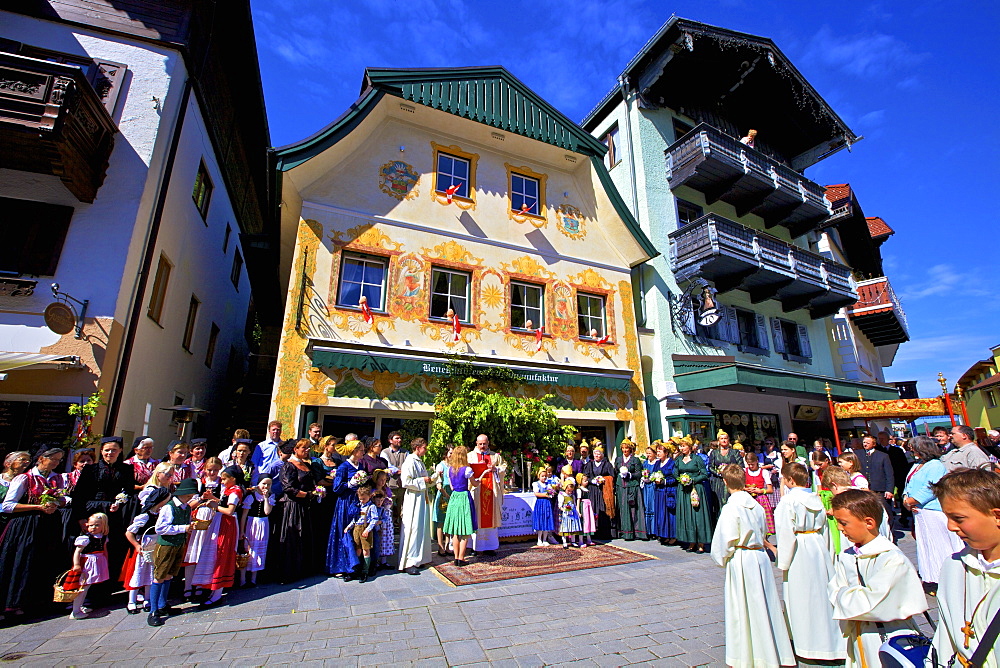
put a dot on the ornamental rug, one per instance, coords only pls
(518, 561)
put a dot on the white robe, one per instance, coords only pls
(892, 594)
(963, 582)
(488, 537)
(755, 638)
(807, 568)
(415, 534)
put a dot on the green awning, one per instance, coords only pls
(430, 366)
(698, 376)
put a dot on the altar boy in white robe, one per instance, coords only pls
(875, 590)
(800, 526)
(415, 533)
(755, 638)
(969, 583)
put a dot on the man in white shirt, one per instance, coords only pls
(266, 453)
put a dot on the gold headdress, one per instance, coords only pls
(346, 449)
(567, 482)
(567, 470)
(719, 434)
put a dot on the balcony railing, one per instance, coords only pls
(52, 121)
(734, 256)
(722, 168)
(878, 313)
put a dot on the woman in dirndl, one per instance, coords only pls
(440, 509)
(460, 519)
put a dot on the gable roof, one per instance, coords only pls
(838, 192)
(878, 228)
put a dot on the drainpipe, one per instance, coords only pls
(135, 311)
(637, 272)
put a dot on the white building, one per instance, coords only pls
(127, 178)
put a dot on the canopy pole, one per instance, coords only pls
(947, 398)
(833, 418)
(961, 402)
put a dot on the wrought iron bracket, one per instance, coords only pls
(682, 305)
(66, 299)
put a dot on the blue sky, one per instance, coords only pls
(919, 80)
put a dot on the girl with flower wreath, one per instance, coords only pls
(569, 517)
(694, 526)
(542, 519)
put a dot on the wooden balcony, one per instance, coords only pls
(736, 257)
(878, 313)
(722, 168)
(53, 122)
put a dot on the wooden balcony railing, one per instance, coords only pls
(879, 314)
(52, 121)
(722, 168)
(734, 256)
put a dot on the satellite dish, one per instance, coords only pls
(60, 318)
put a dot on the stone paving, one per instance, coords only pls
(667, 612)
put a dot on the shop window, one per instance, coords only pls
(202, 192)
(213, 338)
(362, 275)
(526, 304)
(613, 156)
(791, 340)
(450, 290)
(159, 293)
(192, 318)
(590, 316)
(33, 236)
(453, 171)
(687, 212)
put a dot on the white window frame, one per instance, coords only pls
(367, 259)
(602, 329)
(534, 210)
(540, 321)
(463, 315)
(452, 176)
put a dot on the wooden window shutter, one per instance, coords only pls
(37, 233)
(761, 324)
(688, 326)
(804, 341)
(777, 335)
(730, 325)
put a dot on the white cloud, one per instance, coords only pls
(865, 55)
(944, 279)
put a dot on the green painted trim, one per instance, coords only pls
(616, 201)
(428, 366)
(293, 155)
(691, 377)
(654, 418)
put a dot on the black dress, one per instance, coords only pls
(95, 492)
(602, 512)
(32, 553)
(295, 549)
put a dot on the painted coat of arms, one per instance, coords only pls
(570, 221)
(398, 179)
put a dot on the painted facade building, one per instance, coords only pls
(735, 324)
(127, 180)
(454, 212)
(981, 391)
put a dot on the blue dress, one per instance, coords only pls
(649, 498)
(666, 500)
(340, 554)
(541, 517)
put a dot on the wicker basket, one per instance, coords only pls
(242, 559)
(201, 525)
(61, 595)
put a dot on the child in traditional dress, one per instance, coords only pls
(542, 520)
(159, 479)
(588, 523)
(224, 573)
(819, 461)
(137, 572)
(90, 559)
(754, 637)
(362, 527)
(800, 524)
(758, 485)
(173, 523)
(256, 529)
(386, 530)
(199, 556)
(569, 517)
(875, 589)
(969, 582)
(850, 463)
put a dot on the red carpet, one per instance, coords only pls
(521, 561)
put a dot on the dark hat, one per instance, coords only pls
(234, 472)
(198, 441)
(138, 440)
(288, 447)
(188, 486)
(157, 496)
(248, 441)
(112, 439)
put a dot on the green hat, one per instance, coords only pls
(189, 486)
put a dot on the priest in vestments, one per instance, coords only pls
(489, 469)
(415, 532)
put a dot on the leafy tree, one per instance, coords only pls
(82, 435)
(476, 400)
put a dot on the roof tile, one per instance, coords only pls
(878, 227)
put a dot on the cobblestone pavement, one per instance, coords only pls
(667, 612)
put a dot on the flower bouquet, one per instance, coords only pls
(121, 498)
(684, 479)
(695, 498)
(358, 479)
(718, 469)
(319, 492)
(657, 478)
(645, 475)
(52, 495)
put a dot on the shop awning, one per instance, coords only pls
(345, 358)
(10, 361)
(691, 376)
